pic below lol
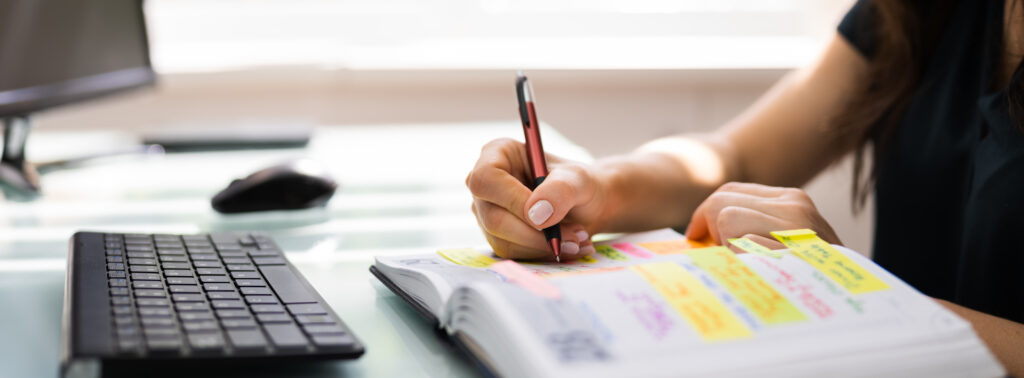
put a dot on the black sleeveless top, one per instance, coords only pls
(950, 189)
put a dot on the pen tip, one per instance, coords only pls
(556, 248)
(519, 73)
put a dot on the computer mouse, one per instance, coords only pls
(298, 184)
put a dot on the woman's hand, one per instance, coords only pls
(512, 216)
(753, 211)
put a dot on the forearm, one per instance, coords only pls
(1004, 338)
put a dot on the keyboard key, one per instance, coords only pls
(187, 298)
(286, 336)
(152, 302)
(238, 323)
(122, 310)
(164, 345)
(156, 333)
(200, 249)
(119, 291)
(267, 309)
(147, 285)
(236, 260)
(177, 273)
(206, 341)
(247, 339)
(181, 281)
(211, 271)
(145, 277)
(174, 265)
(241, 267)
(233, 254)
(327, 341)
(314, 319)
(152, 293)
(287, 285)
(124, 320)
(157, 322)
(142, 255)
(120, 300)
(323, 329)
(245, 275)
(227, 304)
(115, 259)
(195, 316)
(255, 291)
(139, 248)
(116, 274)
(208, 264)
(307, 309)
(192, 306)
(249, 283)
(173, 258)
(260, 299)
(154, 312)
(115, 266)
(219, 287)
(203, 326)
(273, 318)
(117, 282)
(142, 261)
(261, 261)
(127, 331)
(264, 253)
(222, 295)
(184, 289)
(214, 279)
(171, 251)
(143, 269)
(209, 257)
(234, 314)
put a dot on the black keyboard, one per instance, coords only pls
(134, 298)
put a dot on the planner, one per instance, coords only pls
(657, 304)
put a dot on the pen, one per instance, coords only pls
(535, 152)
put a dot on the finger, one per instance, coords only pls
(764, 241)
(704, 221)
(512, 250)
(563, 189)
(736, 221)
(499, 187)
(754, 189)
(522, 240)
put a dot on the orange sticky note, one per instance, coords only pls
(516, 274)
(672, 247)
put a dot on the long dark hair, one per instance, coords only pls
(906, 35)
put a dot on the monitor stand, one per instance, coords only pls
(18, 177)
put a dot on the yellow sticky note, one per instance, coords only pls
(467, 257)
(698, 305)
(806, 245)
(671, 247)
(610, 253)
(587, 259)
(749, 288)
(751, 247)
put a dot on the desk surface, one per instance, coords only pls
(401, 192)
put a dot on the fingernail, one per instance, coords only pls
(540, 212)
(582, 236)
(570, 248)
(588, 250)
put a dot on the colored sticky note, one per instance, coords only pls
(632, 250)
(672, 247)
(587, 259)
(806, 245)
(522, 277)
(699, 306)
(750, 289)
(467, 257)
(610, 253)
(750, 246)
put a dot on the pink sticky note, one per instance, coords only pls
(632, 250)
(519, 275)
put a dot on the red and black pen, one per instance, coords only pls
(535, 152)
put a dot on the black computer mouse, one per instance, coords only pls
(298, 184)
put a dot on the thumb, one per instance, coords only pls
(563, 189)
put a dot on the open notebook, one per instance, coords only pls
(652, 304)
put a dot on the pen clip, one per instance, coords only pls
(521, 89)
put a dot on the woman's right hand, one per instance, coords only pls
(512, 216)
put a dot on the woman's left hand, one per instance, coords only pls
(754, 211)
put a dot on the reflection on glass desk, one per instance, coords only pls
(401, 192)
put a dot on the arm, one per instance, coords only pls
(1004, 338)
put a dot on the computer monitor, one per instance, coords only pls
(55, 52)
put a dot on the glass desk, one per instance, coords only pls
(401, 192)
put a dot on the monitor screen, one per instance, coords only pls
(58, 51)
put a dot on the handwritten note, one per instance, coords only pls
(632, 250)
(701, 308)
(755, 293)
(610, 253)
(467, 257)
(750, 246)
(522, 277)
(809, 247)
(672, 247)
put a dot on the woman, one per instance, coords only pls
(933, 91)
